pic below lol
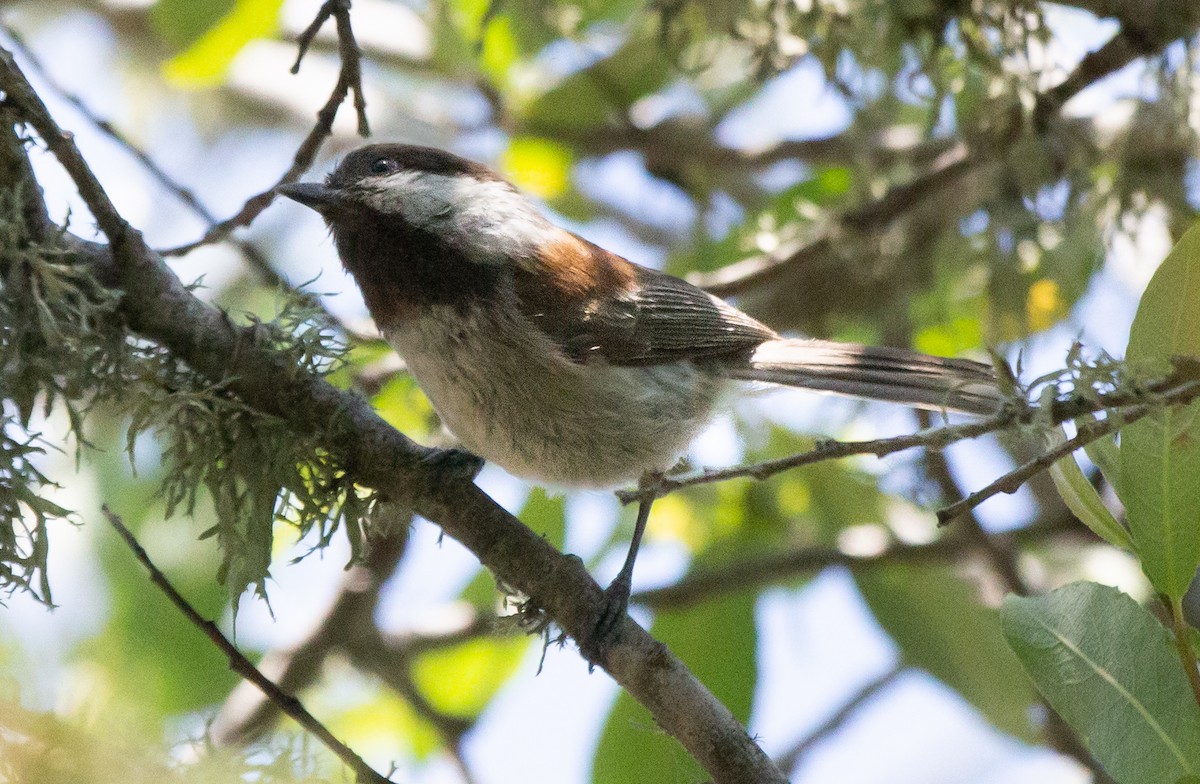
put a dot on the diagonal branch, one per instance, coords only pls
(876, 216)
(257, 261)
(245, 714)
(1089, 432)
(243, 666)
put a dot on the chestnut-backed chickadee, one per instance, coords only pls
(557, 360)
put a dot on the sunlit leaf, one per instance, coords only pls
(539, 166)
(460, 681)
(499, 48)
(403, 406)
(1160, 454)
(384, 721)
(204, 63)
(1044, 305)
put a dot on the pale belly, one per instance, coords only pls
(521, 405)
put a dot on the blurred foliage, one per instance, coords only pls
(658, 124)
(42, 748)
(207, 58)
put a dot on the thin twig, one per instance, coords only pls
(105, 126)
(788, 761)
(246, 714)
(348, 51)
(1001, 557)
(935, 438)
(349, 78)
(1181, 386)
(243, 666)
(1012, 481)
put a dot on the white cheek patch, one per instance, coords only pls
(421, 198)
(487, 217)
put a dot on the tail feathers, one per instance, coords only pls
(876, 373)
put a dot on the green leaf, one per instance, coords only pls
(717, 640)
(182, 22)
(385, 720)
(1110, 669)
(937, 621)
(1160, 454)
(546, 515)
(538, 166)
(204, 63)
(1082, 499)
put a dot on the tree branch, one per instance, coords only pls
(245, 715)
(1147, 27)
(243, 666)
(1180, 386)
(253, 256)
(873, 217)
(701, 586)
(1088, 432)
(792, 757)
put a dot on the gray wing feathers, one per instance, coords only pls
(664, 320)
(876, 373)
(676, 320)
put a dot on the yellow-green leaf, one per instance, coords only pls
(1160, 454)
(539, 166)
(461, 680)
(204, 63)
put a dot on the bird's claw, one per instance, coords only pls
(608, 621)
(456, 464)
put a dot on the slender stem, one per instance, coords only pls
(243, 666)
(1012, 481)
(1183, 644)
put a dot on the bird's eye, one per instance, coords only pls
(384, 166)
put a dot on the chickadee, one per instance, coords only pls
(557, 360)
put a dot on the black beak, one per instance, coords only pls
(320, 197)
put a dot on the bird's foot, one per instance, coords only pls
(606, 630)
(454, 464)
